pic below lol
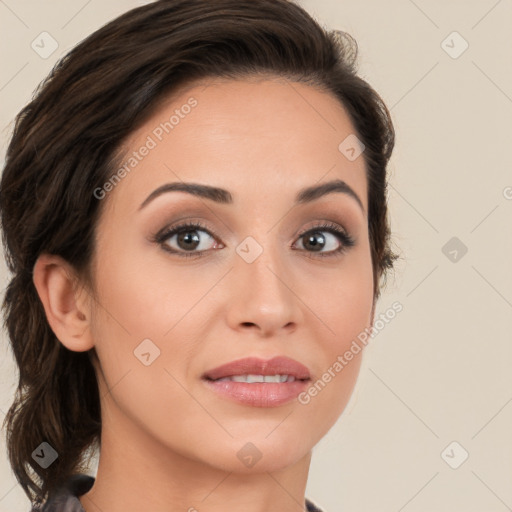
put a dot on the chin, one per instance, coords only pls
(259, 454)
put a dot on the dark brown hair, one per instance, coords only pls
(64, 146)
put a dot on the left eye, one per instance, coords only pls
(315, 240)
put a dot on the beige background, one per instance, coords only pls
(440, 371)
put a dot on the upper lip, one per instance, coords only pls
(280, 365)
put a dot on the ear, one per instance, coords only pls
(66, 304)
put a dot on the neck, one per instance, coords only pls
(138, 472)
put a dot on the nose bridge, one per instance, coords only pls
(263, 295)
(264, 272)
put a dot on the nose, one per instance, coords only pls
(262, 298)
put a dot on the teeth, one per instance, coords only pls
(259, 378)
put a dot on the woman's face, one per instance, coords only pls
(260, 277)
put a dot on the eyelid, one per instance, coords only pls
(323, 223)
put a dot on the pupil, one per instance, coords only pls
(313, 244)
(184, 237)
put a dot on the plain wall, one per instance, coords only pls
(439, 372)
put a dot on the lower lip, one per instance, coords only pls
(258, 394)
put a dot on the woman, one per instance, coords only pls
(194, 212)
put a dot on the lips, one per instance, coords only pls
(279, 365)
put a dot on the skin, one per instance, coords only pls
(168, 443)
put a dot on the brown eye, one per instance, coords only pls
(187, 240)
(314, 240)
(336, 241)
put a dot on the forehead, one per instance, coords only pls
(270, 135)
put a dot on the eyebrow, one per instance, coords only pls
(222, 196)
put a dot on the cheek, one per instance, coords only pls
(344, 303)
(129, 308)
(139, 294)
(344, 296)
(143, 295)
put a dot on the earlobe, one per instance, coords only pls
(67, 312)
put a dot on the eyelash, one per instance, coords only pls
(346, 240)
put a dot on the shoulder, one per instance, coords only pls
(65, 497)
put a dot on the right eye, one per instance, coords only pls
(187, 237)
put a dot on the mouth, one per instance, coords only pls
(279, 369)
(253, 378)
(259, 383)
